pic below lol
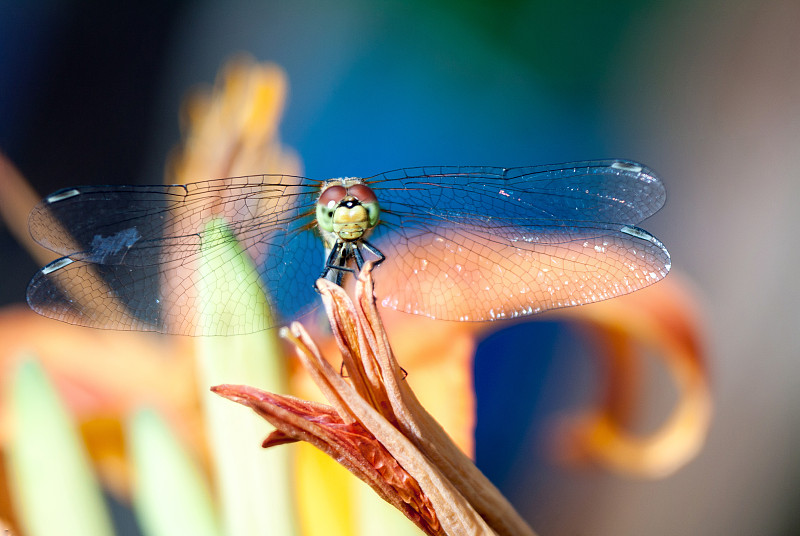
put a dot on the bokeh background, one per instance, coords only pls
(707, 93)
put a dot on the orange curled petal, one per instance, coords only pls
(17, 198)
(660, 319)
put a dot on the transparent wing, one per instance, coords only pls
(483, 243)
(132, 253)
(461, 243)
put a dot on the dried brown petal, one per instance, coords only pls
(350, 444)
(377, 429)
(424, 431)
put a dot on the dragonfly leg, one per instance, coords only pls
(346, 253)
(336, 255)
(358, 257)
(375, 251)
(337, 263)
(333, 254)
(340, 272)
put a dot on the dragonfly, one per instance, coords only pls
(453, 243)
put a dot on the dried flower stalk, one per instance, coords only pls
(376, 427)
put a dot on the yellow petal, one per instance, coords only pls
(324, 501)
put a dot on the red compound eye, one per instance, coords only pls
(332, 194)
(363, 193)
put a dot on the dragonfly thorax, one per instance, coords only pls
(346, 210)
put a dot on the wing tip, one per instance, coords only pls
(56, 265)
(638, 232)
(61, 195)
(627, 165)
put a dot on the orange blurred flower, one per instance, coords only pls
(661, 321)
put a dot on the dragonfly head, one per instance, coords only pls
(347, 208)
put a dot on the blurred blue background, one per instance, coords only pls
(707, 93)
